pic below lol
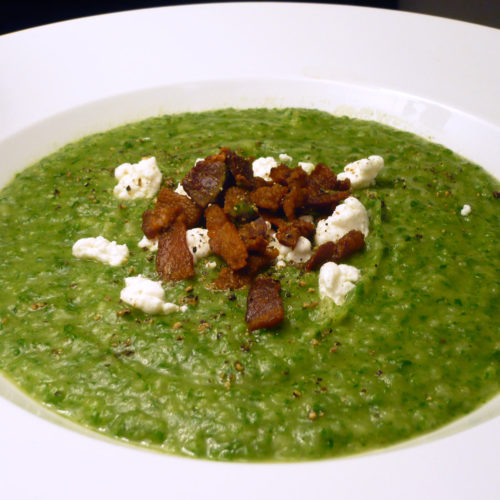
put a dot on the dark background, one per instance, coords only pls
(21, 14)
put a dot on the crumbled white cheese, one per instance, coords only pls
(148, 296)
(211, 264)
(138, 180)
(180, 190)
(346, 217)
(336, 281)
(301, 252)
(362, 173)
(101, 249)
(151, 245)
(284, 157)
(262, 167)
(466, 210)
(306, 166)
(198, 242)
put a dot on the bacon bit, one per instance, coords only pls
(123, 312)
(264, 304)
(268, 197)
(177, 325)
(312, 415)
(174, 261)
(205, 181)
(225, 240)
(296, 394)
(349, 244)
(238, 366)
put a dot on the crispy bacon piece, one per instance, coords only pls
(238, 206)
(234, 280)
(189, 208)
(257, 262)
(205, 181)
(323, 253)
(161, 217)
(259, 182)
(298, 178)
(240, 168)
(289, 232)
(167, 208)
(280, 174)
(264, 304)
(294, 200)
(323, 177)
(225, 240)
(322, 201)
(349, 244)
(269, 197)
(254, 235)
(174, 261)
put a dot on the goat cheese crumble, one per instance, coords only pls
(180, 190)
(198, 242)
(262, 167)
(306, 166)
(101, 249)
(151, 245)
(336, 281)
(362, 173)
(284, 157)
(349, 215)
(148, 296)
(137, 180)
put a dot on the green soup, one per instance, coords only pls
(416, 345)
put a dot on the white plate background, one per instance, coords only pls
(60, 82)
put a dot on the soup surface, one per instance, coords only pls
(416, 344)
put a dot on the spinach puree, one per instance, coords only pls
(416, 345)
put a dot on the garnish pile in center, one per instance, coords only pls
(240, 212)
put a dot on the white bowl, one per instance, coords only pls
(60, 82)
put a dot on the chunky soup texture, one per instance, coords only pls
(416, 344)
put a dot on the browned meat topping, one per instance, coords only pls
(205, 181)
(225, 240)
(238, 205)
(269, 197)
(189, 208)
(240, 168)
(158, 219)
(174, 261)
(349, 244)
(254, 235)
(264, 304)
(237, 208)
(289, 232)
